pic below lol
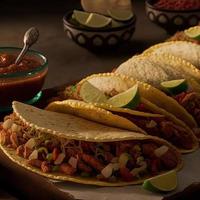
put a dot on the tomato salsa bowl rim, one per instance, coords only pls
(149, 3)
(26, 72)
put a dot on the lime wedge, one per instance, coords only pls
(120, 15)
(91, 20)
(128, 99)
(175, 86)
(161, 183)
(193, 32)
(91, 94)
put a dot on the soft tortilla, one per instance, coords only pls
(71, 127)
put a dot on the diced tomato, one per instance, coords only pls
(155, 166)
(55, 153)
(180, 96)
(125, 174)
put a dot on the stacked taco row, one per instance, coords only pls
(114, 128)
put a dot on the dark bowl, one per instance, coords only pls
(172, 20)
(98, 38)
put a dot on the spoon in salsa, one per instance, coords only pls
(30, 37)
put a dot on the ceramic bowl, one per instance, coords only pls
(171, 20)
(98, 38)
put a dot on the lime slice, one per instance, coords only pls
(161, 183)
(193, 32)
(91, 20)
(128, 99)
(175, 86)
(91, 94)
(120, 15)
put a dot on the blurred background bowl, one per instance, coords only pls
(24, 86)
(171, 20)
(98, 38)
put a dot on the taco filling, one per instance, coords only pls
(163, 128)
(105, 161)
(191, 102)
(156, 126)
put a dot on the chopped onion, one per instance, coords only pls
(7, 124)
(31, 143)
(151, 124)
(107, 171)
(124, 158)
(161, 150)
(137, 170)
(73, 162)
(15, 128)
(33, 155)
(115, 160)
(137, 148)
(59, 159)
(115, 166)
(140, 159)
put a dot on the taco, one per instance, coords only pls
(150, 68)
(186, 50)
(112, 84)
(65, 147)
(154, 69)
(181, 36)
(163, 125)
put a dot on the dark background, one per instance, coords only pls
(67, 60)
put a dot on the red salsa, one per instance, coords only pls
(178, 4)
(16, 87)
(7, 63)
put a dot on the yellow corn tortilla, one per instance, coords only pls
(106, 82)
(102, 113)
(71, 127)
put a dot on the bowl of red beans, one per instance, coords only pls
(173, 15)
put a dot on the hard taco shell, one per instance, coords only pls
(102, 113)
(106, 82)
(186, 50)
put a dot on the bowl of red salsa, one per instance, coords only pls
(24, 81)
(173, 15)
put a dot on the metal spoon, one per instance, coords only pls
(30, 37)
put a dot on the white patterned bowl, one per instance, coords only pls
(98, 38)
(172, 20)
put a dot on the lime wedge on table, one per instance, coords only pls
(193, 32)
(91, 20)
(120, 15)
(129, 99)
(90, 93)
(175, 86)
(161, 183)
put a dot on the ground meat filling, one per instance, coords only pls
(163, 128)
(191, 102)
(108, 161)
(160, 127)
